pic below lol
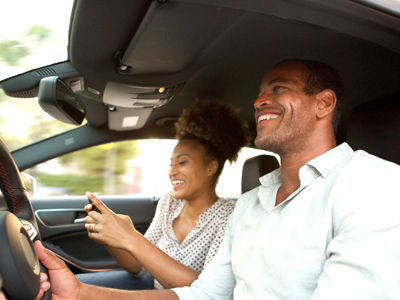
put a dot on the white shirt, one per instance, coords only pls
(201, 244)
(336, 237)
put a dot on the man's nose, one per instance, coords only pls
(262, 100)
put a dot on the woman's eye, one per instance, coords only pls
(182, 162)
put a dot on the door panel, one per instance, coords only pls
(61, 224)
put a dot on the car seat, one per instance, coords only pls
(254, 168)
(374, 126)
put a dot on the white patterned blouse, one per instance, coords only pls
(201, 244)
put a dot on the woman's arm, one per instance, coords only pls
(169, 272)
(118, 232)
(153, 234)
(125, 260)
(121, 256)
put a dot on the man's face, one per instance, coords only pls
(283, 111)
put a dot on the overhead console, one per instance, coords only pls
(130, 106)
(128, 96)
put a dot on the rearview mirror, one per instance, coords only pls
(59, 101)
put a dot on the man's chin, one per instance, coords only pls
(261, 142)
(265, 144)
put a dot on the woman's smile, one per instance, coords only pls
(176, 184)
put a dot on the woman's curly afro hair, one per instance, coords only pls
(217, 127)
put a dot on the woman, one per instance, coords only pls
(190, 221)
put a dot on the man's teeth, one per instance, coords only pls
(266, 117)
(175, 182)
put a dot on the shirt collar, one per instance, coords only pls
(319, 166)
(328, 161)
(324, 164)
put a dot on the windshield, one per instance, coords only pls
(34, 34)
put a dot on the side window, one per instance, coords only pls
(123, 168)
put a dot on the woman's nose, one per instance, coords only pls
(172, 170)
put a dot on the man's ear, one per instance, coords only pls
(212, 168)
(326, 103)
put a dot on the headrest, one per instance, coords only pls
(374, 126)
(254, 168)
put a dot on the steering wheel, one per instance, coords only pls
(19, 263)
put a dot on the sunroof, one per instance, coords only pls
(391, 7)
(34, 34)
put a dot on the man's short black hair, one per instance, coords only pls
(319, 77)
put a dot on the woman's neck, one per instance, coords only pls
(195, 207)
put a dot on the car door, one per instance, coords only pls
(124, 175)
(61, 222)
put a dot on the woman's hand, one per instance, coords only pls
(107, 227)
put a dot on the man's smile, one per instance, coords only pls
(266, 117)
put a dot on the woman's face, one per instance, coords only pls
(190, 177)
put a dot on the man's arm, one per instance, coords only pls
(363, 258)
(217, 280)
(64, 284)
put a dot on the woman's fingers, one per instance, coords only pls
(90, 219)
(91, 227)
(88, 208)
(107, 227)
(96, 202)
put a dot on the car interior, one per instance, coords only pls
(376, 132)
(134, 65)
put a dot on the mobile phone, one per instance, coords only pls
(94, 206)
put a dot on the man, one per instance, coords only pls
(323, 226)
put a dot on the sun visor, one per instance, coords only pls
(173, 34)
(121, 119)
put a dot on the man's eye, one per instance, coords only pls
(279, 88)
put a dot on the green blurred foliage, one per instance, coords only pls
(42, 126)
(110, 158)
(12, 52)
(76, 185)
(46, 127)
(102, 165)
(38, 33)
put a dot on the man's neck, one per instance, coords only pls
(291, 164)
